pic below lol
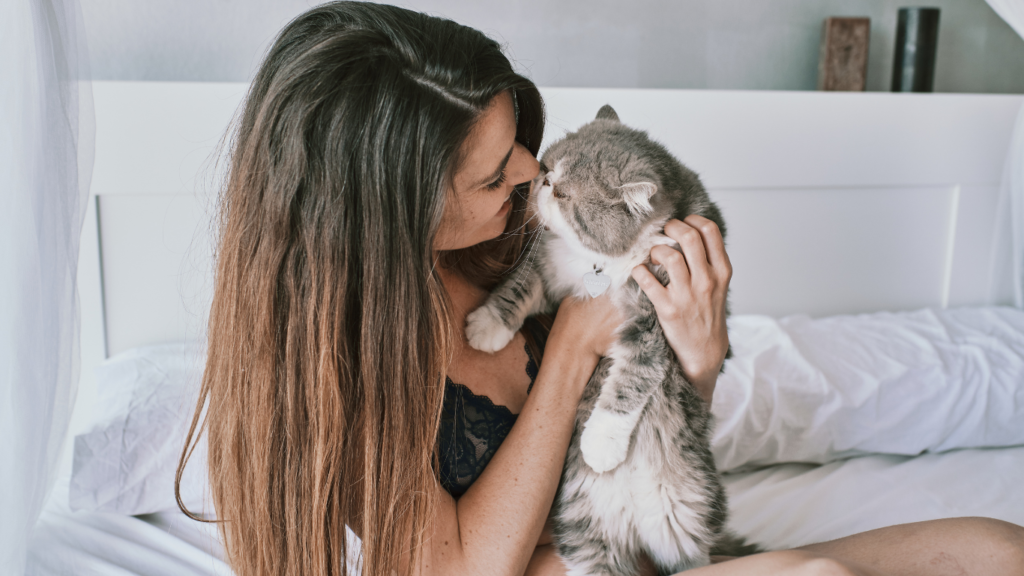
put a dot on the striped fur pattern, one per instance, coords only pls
(639, 477)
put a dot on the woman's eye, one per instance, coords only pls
(497, 183)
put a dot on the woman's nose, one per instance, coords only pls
(523, 167)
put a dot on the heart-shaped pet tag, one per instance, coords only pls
(596, 283)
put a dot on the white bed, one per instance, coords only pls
(836, 204)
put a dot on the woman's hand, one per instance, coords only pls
(590, 322)
(691, 308)
(587, 325)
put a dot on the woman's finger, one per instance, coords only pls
(714, 245)
(657, 293)
(692, 245)
(674, 263)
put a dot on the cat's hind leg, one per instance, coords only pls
(592, 535)
(668, 567)
(594, 556)
(673, 505)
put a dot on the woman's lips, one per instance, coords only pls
(505, 206)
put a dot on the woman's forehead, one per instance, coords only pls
(488, 144)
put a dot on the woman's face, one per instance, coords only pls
(493, 163)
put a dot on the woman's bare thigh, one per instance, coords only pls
(960, 546)
(957, 546)
(545, 562)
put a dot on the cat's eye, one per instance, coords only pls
(558, 193)
(547, 181)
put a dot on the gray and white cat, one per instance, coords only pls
(639, 476)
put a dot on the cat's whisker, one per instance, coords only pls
(532, 233)
(525, 263)
(520, 228)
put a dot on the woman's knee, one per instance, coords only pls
(1000, 542)
(975, 545)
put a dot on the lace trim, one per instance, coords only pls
(472, 429)
(531, 370)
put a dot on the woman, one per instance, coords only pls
(377, 191)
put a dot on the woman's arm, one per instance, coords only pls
(692, 307)
(494, 527)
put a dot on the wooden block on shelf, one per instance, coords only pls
(843, 59)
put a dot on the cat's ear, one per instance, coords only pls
(607, 113)
(638, 196)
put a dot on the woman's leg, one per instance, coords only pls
(957, 546)
(545, 562)
(961, 546)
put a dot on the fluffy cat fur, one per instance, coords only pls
(639, 476)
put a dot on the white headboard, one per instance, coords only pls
(835, 202)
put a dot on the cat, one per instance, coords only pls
(639, 476)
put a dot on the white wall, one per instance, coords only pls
(717, 44)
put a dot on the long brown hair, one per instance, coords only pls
(329, 333)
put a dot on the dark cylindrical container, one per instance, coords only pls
(917, 35)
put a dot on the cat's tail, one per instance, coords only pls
(730, 544)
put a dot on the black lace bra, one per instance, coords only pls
(472, 427)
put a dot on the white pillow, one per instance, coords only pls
(797, 390)
(126, 463)
(806, 390)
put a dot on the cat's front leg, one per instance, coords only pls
(639, 364)
(605, 439)
(492, 326)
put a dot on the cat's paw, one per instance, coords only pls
(605, 439)
(485, 330)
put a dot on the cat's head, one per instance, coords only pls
(601, 186)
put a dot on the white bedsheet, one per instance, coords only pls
(780, 506)
(790, 505)
(67, 543)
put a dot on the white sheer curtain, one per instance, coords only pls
(1008, 267)
(46, 145)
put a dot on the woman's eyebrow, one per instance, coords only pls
(497, 173)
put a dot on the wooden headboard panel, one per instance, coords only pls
(835, 202)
